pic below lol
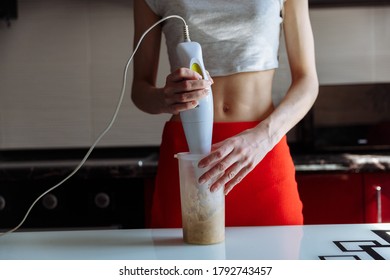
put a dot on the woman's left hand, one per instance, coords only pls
(233, 158)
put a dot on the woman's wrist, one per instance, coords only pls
(267, 135)
(149, 99)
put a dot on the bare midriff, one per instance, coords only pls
(242, 97)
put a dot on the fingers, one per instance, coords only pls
(219, 158)
(236, 178)
(226, 167)
(184, 74)
(230, 164)
(209, 77)
(231, 177)
(183, 90)
(227, 178)
(219, 151)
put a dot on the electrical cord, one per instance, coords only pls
(113, 118)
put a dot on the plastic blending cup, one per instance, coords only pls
(203, 212)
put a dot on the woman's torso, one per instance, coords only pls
(240, 44)
(242, 97)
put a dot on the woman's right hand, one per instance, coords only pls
(183, 89)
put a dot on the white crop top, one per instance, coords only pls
(235, 35)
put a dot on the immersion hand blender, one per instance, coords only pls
(203, 211)
(197, 122)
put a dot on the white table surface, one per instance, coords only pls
(357, 241)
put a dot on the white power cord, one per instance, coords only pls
(186, 37)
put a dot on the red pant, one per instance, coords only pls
(266, 196)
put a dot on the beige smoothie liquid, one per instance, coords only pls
(203, 213)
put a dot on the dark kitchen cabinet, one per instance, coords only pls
(108, 191)
(331, 198)
(377, 197)
(82, 202)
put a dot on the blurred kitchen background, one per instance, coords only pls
(61, 70)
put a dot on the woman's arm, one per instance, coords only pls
(144, 94)
(238, 155)
(183, 87)
(304, 87)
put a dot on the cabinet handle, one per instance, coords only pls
(2, 202)
(379, 203)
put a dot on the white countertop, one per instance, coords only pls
(358, 241)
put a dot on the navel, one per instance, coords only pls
(226, 108)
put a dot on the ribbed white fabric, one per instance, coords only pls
(235, 35)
